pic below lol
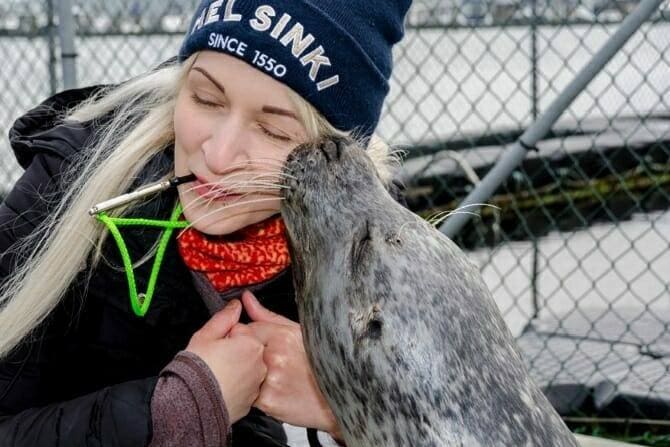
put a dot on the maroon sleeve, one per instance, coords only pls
(187, 406)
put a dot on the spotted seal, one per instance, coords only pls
(404, 337)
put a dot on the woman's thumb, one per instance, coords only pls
(222, 322)
(257, 312)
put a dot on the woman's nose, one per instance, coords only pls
(225, 148)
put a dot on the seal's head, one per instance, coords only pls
(405, 340)
(332, 181)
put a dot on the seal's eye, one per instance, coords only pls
(360, 246)
(375, 328)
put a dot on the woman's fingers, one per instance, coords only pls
(221, 322)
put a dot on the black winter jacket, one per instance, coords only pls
(87, 374)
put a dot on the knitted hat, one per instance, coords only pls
(336, 54)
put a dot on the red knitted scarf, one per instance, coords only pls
(249, 256)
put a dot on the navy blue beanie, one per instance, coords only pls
(336, 54)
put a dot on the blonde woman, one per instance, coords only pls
(171, 320)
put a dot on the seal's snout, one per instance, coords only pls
(310, 164)
(327, 177)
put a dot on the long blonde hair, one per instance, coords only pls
(69, 241)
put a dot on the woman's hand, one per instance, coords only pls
(290, 392)
(236, 360)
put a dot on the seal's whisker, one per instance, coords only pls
(282, 174)
(255, 163)
(276, 162)
(398, 155)
(218, 187)
(235, 201)
(469, 206)
(260, 190)
(277, 172)
(438, 218)
(262, 180)
(260, 185)
(228, 173)
(257, 185)
(251, 187)
(207, 200)
(396, 238)
(272, 192)
(442, 218)
(271, 172)
(443, 215)
(256, 177)
(239, 174)
(226, 207)
(246, 184)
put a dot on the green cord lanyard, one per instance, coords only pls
(140, 302)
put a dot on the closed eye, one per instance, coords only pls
(361, 246)
(203, 102)
(274, 135)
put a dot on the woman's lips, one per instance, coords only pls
(213, 192)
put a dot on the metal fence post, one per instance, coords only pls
(515, 155)
(68, 51)
(52, 46)
(533, 61)
(534, 112)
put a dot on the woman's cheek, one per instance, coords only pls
(188, 124)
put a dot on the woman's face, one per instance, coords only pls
(234, 127)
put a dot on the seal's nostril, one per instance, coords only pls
(342, 147)
(330, 150)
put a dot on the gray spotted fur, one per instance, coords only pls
(405, 339)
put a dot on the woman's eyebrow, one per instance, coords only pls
(278, 111)
(211, 78)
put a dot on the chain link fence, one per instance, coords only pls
(576, 247)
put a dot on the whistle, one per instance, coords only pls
(140, 193)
